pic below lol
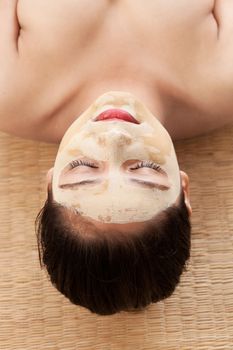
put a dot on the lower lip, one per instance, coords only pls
(115, 113)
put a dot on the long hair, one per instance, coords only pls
(106, 272)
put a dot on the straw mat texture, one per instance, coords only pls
(199, 314)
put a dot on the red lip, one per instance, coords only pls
(115, 113)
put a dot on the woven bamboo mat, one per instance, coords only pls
(199, 315)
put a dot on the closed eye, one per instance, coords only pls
(142, 164)
(133, 169)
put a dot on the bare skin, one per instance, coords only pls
(57, 57)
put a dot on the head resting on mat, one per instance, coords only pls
(114, 233)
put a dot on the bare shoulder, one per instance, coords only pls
(40, 61)
(10, 87)
(18, 100)
(221, 70)
(224, 16)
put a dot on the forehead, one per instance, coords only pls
(118, 201)
(120, 214)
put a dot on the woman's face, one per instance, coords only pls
(116, 171)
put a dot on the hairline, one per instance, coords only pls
(94, 232)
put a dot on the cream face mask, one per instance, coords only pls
(115, 171)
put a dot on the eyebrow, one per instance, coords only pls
(84, 182)
(151, 184)
(141, 182)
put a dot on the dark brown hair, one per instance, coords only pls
(109, 273)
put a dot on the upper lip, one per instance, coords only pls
(116, 113)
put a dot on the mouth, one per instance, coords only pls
(116, 113)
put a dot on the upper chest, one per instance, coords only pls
(67, 43)
(160, 37)
(83, 24)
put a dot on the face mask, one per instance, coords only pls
(133, 166)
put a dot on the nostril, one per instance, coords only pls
(122, 138)
(127, 140)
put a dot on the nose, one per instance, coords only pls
(118, 137)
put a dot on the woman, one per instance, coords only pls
(114, 233)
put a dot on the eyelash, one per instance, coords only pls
(141, 164)
(78, 162)
(147, 164)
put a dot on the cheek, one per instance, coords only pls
(76, 126)
(172, 169)
(160, 144)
